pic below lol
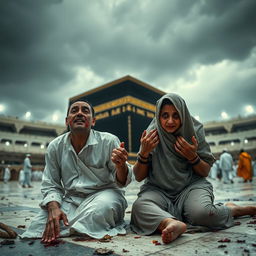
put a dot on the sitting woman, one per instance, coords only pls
(174, 160)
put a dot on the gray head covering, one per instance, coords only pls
(171, 171)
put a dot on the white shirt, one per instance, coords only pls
(226, 161)
(68, 173)
(27, 165)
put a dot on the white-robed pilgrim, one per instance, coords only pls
(85, 186)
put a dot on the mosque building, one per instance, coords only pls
(123, 107)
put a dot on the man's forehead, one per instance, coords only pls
(80, 103)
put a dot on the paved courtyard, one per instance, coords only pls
(18, 206)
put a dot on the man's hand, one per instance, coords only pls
(119, 156)
(148, 142)
(52, 227)
(186, 149)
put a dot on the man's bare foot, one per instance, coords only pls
(238, 210)
(171, 229)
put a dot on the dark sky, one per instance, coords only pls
(52, 50)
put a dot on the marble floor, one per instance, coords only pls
(18, 206)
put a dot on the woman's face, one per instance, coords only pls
(169, 118)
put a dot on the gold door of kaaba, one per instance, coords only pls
(123, 107)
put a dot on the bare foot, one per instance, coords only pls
(238, 210)
(171, 229)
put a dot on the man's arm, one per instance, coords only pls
(52, 191)
(51, 186)
(119, 157)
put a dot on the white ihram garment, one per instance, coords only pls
(85, 186)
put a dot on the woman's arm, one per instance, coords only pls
(148, 142)
(202, 168)
(189, 151)
(140, 169)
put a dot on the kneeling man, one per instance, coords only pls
(82, 181)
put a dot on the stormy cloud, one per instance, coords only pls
(53, 50)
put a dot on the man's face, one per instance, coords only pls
(80, 116)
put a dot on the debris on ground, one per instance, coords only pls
(21, 226)
(7, 242)
(105, 239)
(103, 251)
(54, 243)
(222, 246)
(225, 240)
(240, 241)
(31, 242)
(155, 242)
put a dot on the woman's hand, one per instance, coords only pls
(189, 151)
(148, 142)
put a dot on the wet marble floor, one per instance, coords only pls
(18, 206)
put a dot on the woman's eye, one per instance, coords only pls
(176, 116)
(165, 115)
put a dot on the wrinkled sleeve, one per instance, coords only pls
(115, 143)
(51, 187)
(204, 150)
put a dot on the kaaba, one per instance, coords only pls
(123, 107)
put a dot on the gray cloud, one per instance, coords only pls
(44, 44)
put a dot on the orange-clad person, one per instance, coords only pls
(244, 169)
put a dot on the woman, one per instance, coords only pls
(174, 160)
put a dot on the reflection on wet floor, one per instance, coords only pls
(18, 206)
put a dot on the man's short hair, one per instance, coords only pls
(27, 155)
(93, 112)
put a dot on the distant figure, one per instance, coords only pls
(21, 177)
(7, 174)
(27, 171)
(254, 168)
(244, 169)
(226, 166)
(215, 171)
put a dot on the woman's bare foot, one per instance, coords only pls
(171, 229)
(238, 210)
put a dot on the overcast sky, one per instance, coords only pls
(52, 50)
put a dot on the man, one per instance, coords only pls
(215, 171)
(226, 166)
(7, 174)
(84, 173)
(27, 171)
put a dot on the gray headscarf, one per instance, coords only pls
(169, 170)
